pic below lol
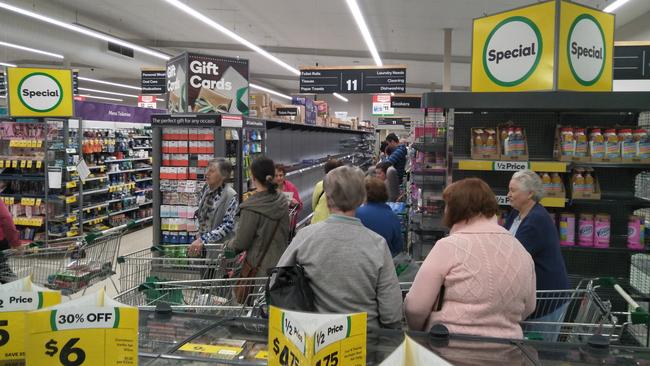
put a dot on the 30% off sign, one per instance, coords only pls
(78, 337)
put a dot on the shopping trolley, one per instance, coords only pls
(70, 266)
(216, 296)
(585, 313)
(293, 222)
(171, 263)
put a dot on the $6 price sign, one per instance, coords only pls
(69, 355)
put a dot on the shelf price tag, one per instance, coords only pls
(14, 164)
(38, 202)
(502, 200)
(71, 199)
(319, 340)
(16, 298)
(71, 168)
(39, 144)
(2, 164)
(510, 166)
(71, 219)
(71, 150)
(76, 334)
(28, 201)
(71, 184)
(30, 163)
(23, 164)
(39, 164)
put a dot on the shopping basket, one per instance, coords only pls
(216, 296)
(70, 268)
(171, 263)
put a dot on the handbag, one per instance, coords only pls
(290, 290)
(243, 287)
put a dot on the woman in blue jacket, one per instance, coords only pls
(377, 216)
(532, 225)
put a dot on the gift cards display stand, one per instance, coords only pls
(183, 145)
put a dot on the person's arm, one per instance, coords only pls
(226, 226)
(8, 228)
(296, 194)
(389, 295)
(425, 289)
(398, 155)
(531, 301)
(245, 232)
(392, 181)
(531, 238)
(289, 257)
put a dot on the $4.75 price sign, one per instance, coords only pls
(75, 336)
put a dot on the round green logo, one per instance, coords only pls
(512, 51)
(586, 50)
(40, 92)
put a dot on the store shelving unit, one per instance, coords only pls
(304, 148)
(540, 114)
(179, 168)
(253, 146)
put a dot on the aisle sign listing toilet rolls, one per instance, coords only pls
(16, 299)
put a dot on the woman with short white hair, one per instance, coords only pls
(349, 266)
(532, 225)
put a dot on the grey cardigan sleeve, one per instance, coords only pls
(389, 295)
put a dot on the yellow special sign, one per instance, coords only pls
(586, 48)
(40, 92)
(514, 50)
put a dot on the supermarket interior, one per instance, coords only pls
(193, 182)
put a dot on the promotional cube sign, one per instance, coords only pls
(555, 45)
(40, 92)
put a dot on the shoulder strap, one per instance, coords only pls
(268, 245)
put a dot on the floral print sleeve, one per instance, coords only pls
(226, 227)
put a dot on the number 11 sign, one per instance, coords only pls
(353, 80)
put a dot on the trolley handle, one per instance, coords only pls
(639, 315)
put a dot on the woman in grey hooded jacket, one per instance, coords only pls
(263, 226)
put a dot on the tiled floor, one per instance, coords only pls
(131, 242)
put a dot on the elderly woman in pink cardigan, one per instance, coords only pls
(488, 277)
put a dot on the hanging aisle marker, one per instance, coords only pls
(16, 299)
(93, 330)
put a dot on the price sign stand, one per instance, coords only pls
(93, 330)
(297, 338)
(16, 299)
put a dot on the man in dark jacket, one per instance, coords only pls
(398, 156)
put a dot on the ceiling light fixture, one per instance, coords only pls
(363, 28)
(102, 98)
(188, 10)
(84, 31)
(108, 92)
(270, 91)
(29, 49)
(7, 64)
(615, 5)
(109, 83)
(340, 97)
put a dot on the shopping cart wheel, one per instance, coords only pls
(163, 311)
(598, 342)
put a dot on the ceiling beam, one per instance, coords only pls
(421, 57)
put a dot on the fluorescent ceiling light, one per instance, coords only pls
(109, 83)
(102, 98)
(7, 64)
(340, 97)
(255, 86)
(363, 28)
(84, 31)
(160, 100)
(615, 5)
(188, 10)
(29, 49)
(107, 92)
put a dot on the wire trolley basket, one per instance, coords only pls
(71, 268)
(224, 297)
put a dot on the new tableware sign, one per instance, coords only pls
(40, 92)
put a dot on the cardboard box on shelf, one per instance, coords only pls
(309, 111)
(485, 144)
(259, 100)
(513, 142)
(322, 108)
(585, 185)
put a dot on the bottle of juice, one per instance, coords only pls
(567, 146)
(596, 144)
(581, 142)
(556, 182)
(589, 183)
(546, 182)
(578, 182)
(478, 140)
(520, 148)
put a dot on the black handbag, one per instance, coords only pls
(290, 289)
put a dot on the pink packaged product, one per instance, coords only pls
(635, 228)
(602, 231)
(586, 230)
(567, 229)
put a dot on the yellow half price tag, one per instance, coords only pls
(71, 219)
(29, 164)
(71, 199)
(39, 164)
(14, 163)
(28, 201)
(226, 351)
(71, 184)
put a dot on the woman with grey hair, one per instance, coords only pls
(350, 267)
(532, 225)
(217, 207)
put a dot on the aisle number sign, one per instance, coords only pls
(40, 92)
(16, 299)
(547, 46)
(93, 330)
(297, 338)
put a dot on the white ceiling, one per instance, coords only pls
(300, 32)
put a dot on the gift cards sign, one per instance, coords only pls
(40, 92)
(517, 50)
